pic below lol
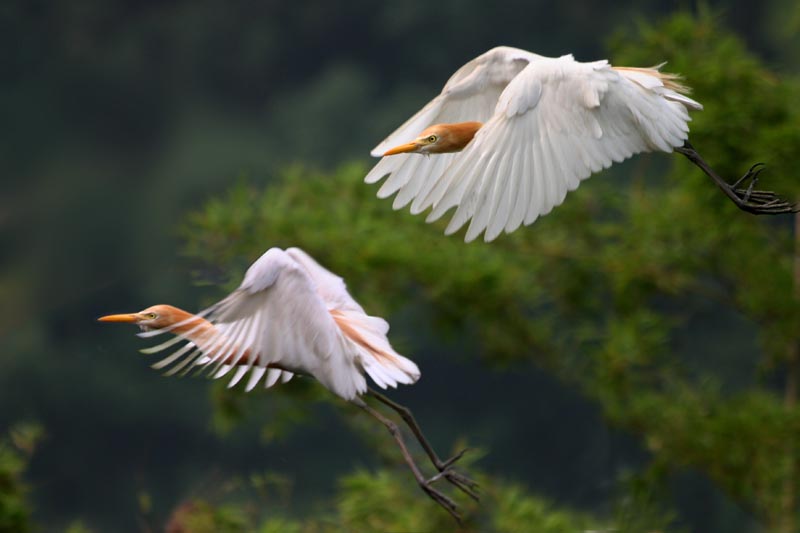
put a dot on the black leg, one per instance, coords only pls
(751, 200)
(444, 467)
(425, 484)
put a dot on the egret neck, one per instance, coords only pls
(440, 139)
(189, 326)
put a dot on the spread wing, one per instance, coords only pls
(366, 335)
(275, 321)
(286, 316)
(470, 94)
(330, 287)
(555, 124)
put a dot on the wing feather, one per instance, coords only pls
(470, 94)
(555, 124)
(522, 197)
(255, 376)
(272, 377)
(175, 356)
(280, 320)
(237, 376)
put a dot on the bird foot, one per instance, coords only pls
(445, 468)
(747, 199)
(440, 498)
(757, 201)
(455, 478)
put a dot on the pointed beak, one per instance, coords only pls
(403, 148)
(130, 318)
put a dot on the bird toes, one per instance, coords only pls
(455, 478)
(759, 202)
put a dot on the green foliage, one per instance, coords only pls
(78, 527)
(381, 501)
(388, 500)
(285, 410)
(15, 449)
(517, 511)
(198, 516)
(282, 525)
(121, 115)
(604, 292)
(749, 112)
(745, 442)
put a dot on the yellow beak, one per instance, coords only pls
(130, 317)
(403, 148)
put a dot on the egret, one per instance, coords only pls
(292, 316)
(512, 132)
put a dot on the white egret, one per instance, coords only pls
(514, 131)
(292, 316)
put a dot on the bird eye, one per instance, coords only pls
(151, 316)
(432, 138)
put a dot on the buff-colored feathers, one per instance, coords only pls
(289, 315)
(547, 124)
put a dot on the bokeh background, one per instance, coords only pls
(611, 367)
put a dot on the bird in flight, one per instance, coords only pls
(512, 132)
(292, 316)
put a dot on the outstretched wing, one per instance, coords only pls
(286, 316)
(276, 320)
(555, 124)
(469, 95)
(330, 287)
(366, 335)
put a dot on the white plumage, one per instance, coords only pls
(548, 123)
(288, 315)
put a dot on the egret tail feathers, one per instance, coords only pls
(367, 334)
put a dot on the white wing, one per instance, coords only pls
(365, 334)
(330, 287)
(469, 95)
(280, 321)
(555, 124)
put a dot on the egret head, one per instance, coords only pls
(154, 317)
(439, 139)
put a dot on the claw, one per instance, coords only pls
(750, 189)
(463, 483)
(758, 201)
(460, 481)
(749, 199)
(758, 195)
(753, 180)
(749, 174)
(456, 457)
(440, 498)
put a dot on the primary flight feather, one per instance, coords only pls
(289, 315)
(513, 132)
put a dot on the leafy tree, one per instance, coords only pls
(384, 500)
(15, 449)
(608, 291)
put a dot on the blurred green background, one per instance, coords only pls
(628, 363)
